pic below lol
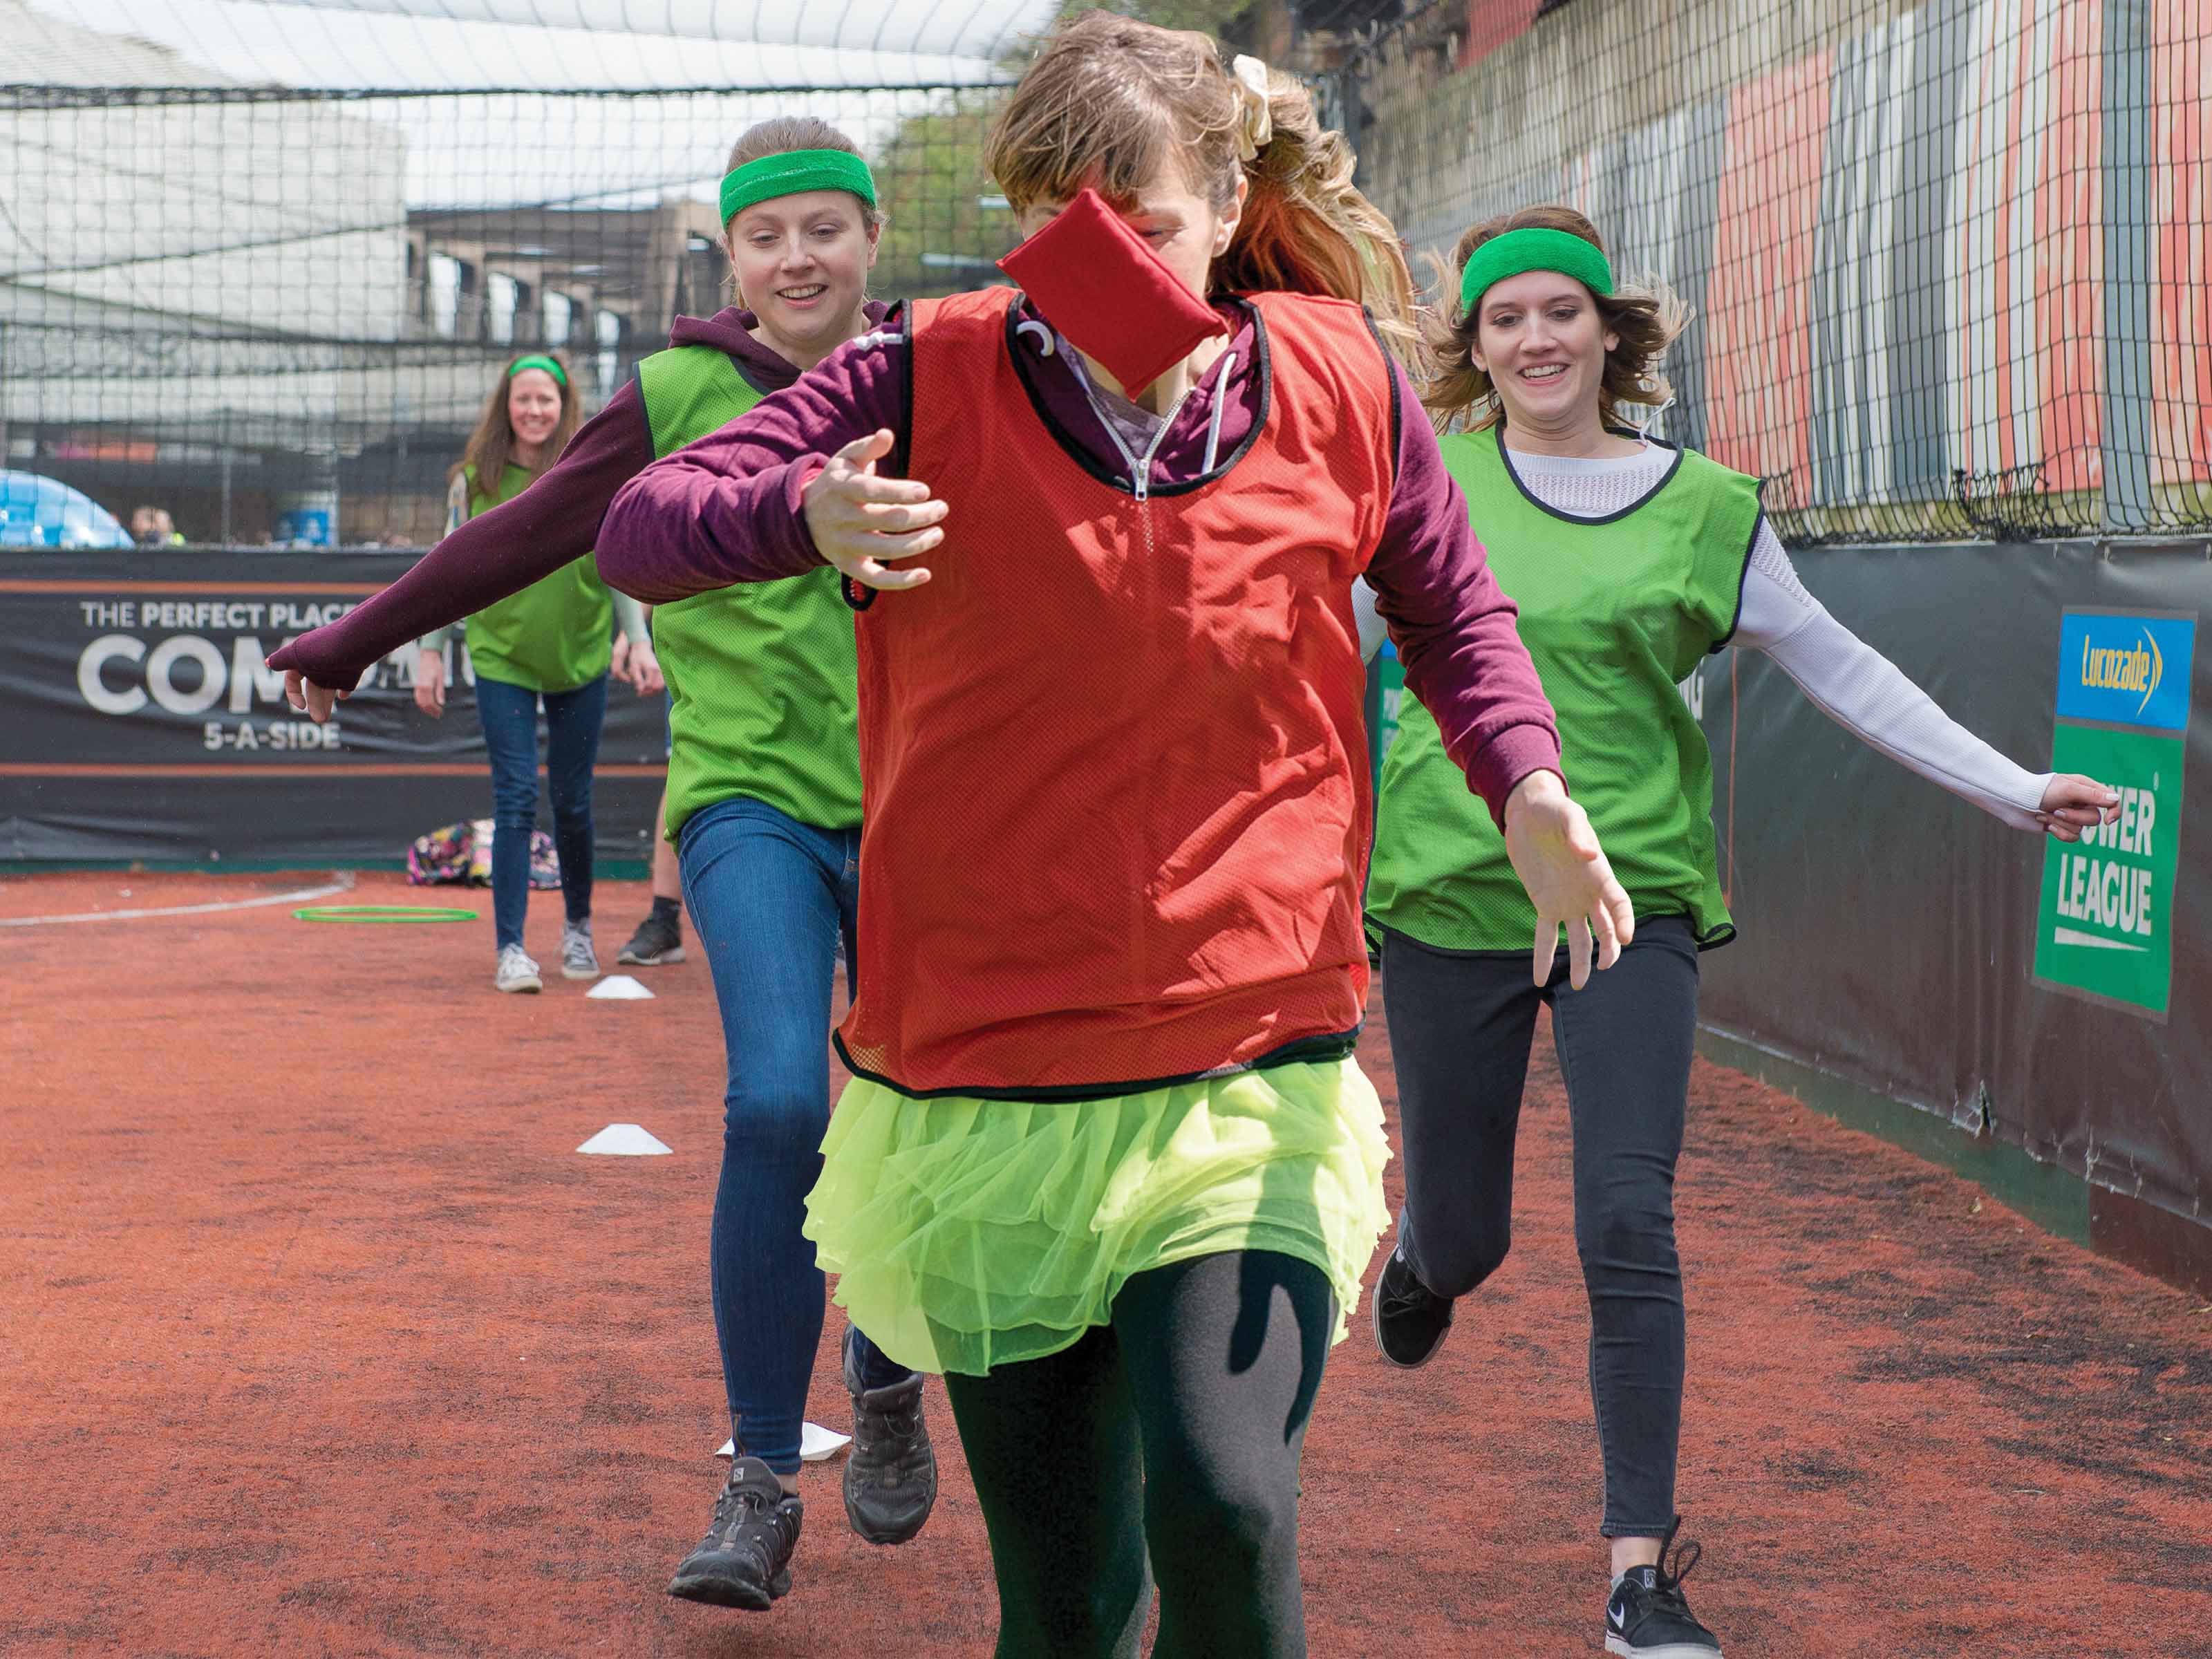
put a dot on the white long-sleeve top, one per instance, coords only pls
(1846, 678)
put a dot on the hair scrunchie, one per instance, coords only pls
(1255, 123)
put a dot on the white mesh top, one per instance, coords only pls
(1846, 678)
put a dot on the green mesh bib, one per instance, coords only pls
(1616, 613)
(556, 633)
(762, 678)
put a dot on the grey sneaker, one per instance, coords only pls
(517, 972)
(745, 1560)
(578, 959)
(890, 1473)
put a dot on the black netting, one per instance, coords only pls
(1949, 262)
(255, 309)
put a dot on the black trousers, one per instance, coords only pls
(1461, 1025)
(1172, 1432)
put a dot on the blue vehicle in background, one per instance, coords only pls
(40, 512)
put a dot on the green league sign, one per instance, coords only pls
(2103, 931)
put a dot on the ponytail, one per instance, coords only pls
(1307, 228)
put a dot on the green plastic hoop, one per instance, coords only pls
(389, 913)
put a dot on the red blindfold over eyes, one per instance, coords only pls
(1096, 281)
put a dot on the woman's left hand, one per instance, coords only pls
(1555, 852)
(2072, 802)
(644, 669)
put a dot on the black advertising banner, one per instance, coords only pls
(2059, 996)
(138, 720)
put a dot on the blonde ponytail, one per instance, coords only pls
(1307, 230)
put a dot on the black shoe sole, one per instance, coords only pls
(870, 1533)
(1375, 1319)
(746, 1594)
(667, 958)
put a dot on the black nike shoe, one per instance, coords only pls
(890, 1473)
(1411, 1319)
(745, 1560)
(1647, 1617)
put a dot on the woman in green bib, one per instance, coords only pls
(763, 804)
(1630, 560)
(553, 642)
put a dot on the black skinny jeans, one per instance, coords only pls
(1174, 1431)
(1460, 1024)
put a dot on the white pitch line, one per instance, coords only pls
(341, 882)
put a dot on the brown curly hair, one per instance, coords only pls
(1645, 315)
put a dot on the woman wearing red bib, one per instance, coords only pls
(1630, 560)
(1108, 1162)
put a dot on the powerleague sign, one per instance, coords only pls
(2104, 929)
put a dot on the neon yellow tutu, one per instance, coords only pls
(975, 1233)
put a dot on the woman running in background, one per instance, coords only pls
(1630, 560)
(553, 643)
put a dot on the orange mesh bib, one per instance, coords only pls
(1113, 757)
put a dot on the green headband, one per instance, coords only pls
(1533, 248)
(545, 363)
(793, 171)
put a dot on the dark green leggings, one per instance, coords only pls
(1173, 1432)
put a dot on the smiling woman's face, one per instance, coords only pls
(801, 264)
(534, 406)
(1542, 342)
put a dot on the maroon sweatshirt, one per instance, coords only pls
(728, 508)
(551, 523)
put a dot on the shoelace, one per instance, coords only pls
(1416, 1295)
(734, 1504)
(1666, 1580)
(1685, 1559)
(902, 1420)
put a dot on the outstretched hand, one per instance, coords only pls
(314, 701)
(859, 520)
(2072, 802)
(1557, 856)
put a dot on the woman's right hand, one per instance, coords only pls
(430, 684)
(858, 519)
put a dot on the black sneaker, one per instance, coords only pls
(1647, 1617)
(745, 1560)
(890, 1473)
(1411, 1319)
(657, 943)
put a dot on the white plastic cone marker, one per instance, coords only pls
(619, 987)
(622, 1141)
(815, 1443)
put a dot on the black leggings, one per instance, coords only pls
(1174, 1431)
(1460, 1029)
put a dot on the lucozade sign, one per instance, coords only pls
(2122, 710)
